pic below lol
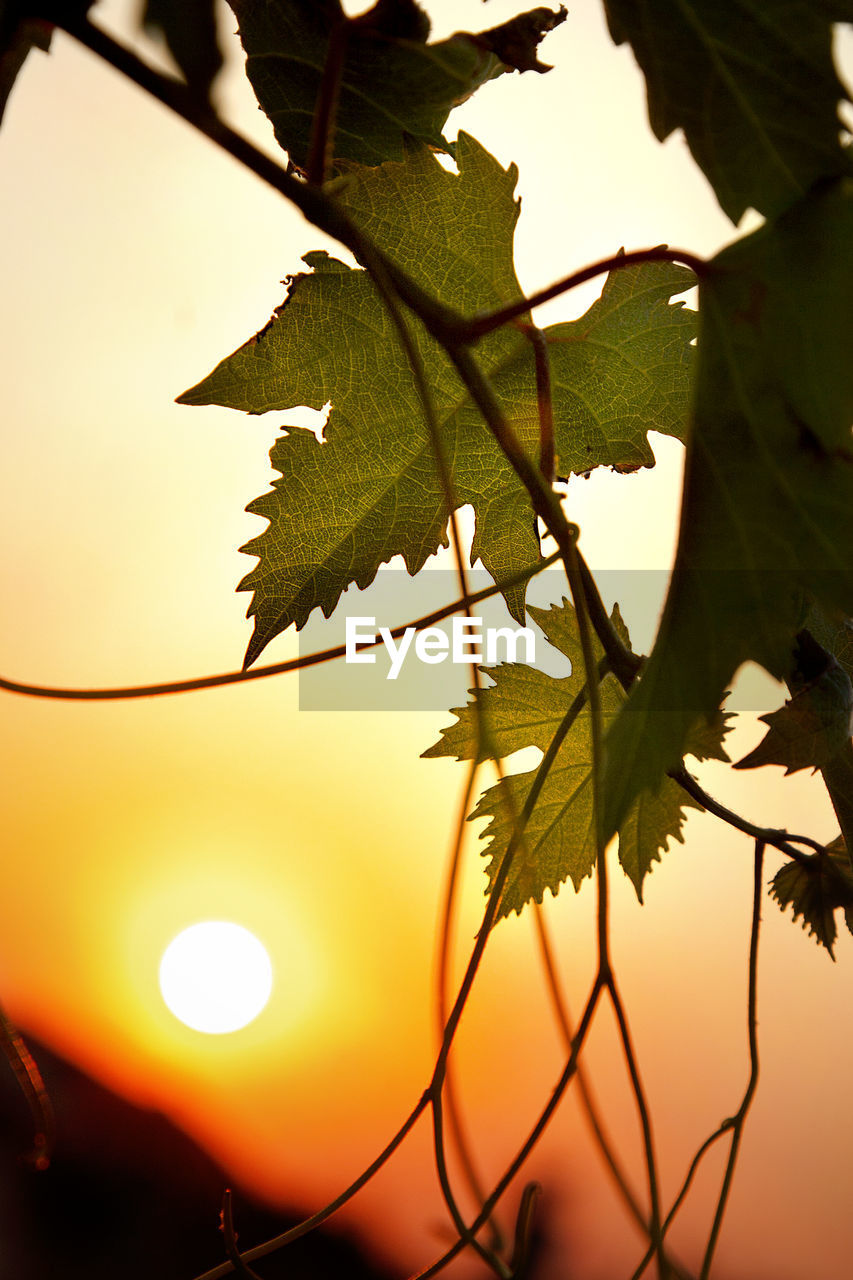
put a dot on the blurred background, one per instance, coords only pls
(134, 256)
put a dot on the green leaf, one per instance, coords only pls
(621, 370)
(190, 32)
(751, 83)
(767, 512)
(370, 489)
(525, 707)
(815, 889)
(830, 636)
(393, 84)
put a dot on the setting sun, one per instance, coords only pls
(215, 976)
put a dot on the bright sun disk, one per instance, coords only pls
(215, 976)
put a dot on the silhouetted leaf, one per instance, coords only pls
(752, 84)
(767, 512)
(811, 728)
(525, 707)
(190, 31)
(393, 82)
(815, 889)
(370, 490)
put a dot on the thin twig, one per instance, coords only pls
(316, 1219)
(479, 326)
(733, 1123)
(781, 840)
(752, 1084)
(547, 506)
(656, 1242)
(590, 1108)
(324, 212)
(227, 1219)
(274, 669)
(523, 1243)
(544, 401)
(442, 984)
(34, 1090)
(685, 1187)
(321, 145)
(416, 366)
(534, 1135)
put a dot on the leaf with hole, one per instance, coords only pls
(370, 489)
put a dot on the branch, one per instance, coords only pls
(33, 1088)
(590, 1109)
(734, 1123)
(325, 113)
(442, 984)
(385, 289)
(227, 1228)
(444, 323)
(532, 1138)
(302, 1228)
(259, 673)
(546, 504)
(544, 401)
(479, 326)
(752, 1084)
(320, 209)
(780, 840)
(656, 1244)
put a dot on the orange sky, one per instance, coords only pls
(133, 258)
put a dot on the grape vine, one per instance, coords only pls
(444, 393)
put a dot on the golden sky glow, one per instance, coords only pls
(133, 258)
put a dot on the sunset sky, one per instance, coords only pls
(134, 256)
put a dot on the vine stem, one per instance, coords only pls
(735, 1123)
(226, 1215)
(590, 1109)
(260, 673)
(546, 504)
(656, 1244)
(533, 1136)
(781, 840)
(325, 113)
(302, 1228)
(479, 326)
(450, 329)
(442, 987)
(385, 288)
(316, 1219)
(457, 334)
(33, 1088)
(752, 1035)
(443, 322)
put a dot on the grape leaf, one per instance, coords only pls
(815, 888)
(813, 726)
(190, 32)
(523, 708)
(767, 512)
(833, 633)
(751, 83)
(393, 82)
(370, 489)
